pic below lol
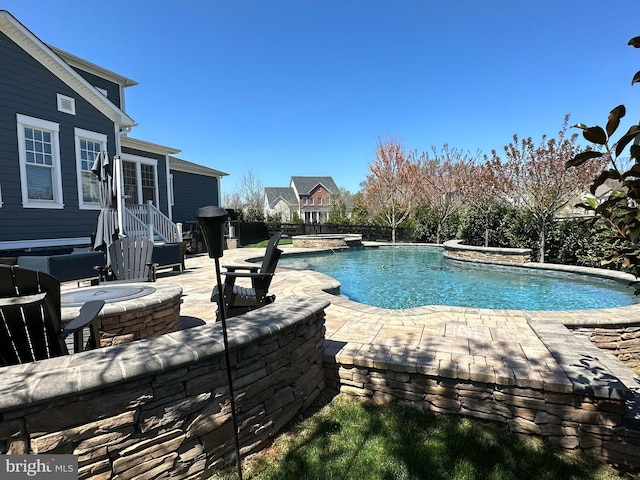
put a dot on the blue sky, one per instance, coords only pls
(306, 87)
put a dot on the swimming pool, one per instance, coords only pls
(407, 277)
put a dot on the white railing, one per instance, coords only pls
(148, 221)
(133, 226)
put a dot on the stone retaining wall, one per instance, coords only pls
(160, 407)
(621, 340)
(455, 250)
(568, 420)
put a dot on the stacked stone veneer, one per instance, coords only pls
(455, 250)
(595, 423)
(327, 241)
(621, 340)
(142, 323)
(160, 407)
(144, 317)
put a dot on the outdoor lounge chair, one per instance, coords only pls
(237, 299)
(131, 259)
(30, 318)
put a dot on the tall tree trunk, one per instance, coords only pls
(486, 228)
(543, 240)
(393, 234)
(438, 233)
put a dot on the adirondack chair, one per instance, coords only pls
(131, 259)
(237, 299)
(30, 318)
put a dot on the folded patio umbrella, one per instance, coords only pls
(107, 228)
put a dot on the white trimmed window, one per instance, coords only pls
(88, 145)
(39, 155)
(140, 179)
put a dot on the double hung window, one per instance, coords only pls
(39, 155)
(88, 145)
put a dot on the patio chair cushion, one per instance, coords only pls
(66, 267)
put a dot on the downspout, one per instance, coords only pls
(117, 161)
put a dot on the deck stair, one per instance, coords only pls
(148, 221)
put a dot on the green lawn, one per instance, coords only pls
(350, 440)
(263, 244)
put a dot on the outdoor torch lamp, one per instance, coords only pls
(212, 221)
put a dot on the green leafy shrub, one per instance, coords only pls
(617, 211)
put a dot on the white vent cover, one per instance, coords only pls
(66, 104)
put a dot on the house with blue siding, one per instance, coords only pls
(190, 181)
(57, 111)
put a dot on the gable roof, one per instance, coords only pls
(190, 167)
(285, 193)
(41, 52)
(92, 68)
(305, 185)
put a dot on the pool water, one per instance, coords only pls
(406, 277)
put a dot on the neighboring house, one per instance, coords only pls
(311, 195)
(281, 202)
(602, 193)
(315, 197)
(57, 111)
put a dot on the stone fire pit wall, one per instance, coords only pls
(160, 407)
(144, 317)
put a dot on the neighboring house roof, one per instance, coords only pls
(31, 44)
(274, 194)
(305, 185)
(190, 167)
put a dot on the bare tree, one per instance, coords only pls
(484, 188)
(440, 184)
(389, 188)
(248, 197)
(537, 180)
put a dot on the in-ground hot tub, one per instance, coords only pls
(132, 311)
(328, 240)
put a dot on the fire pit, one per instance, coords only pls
(131, 311)
(110, 294)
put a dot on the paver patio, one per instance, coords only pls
(514, 347)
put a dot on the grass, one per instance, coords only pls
(351, 440)
(263, 244)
